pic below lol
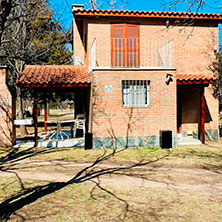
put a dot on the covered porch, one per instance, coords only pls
(66, 81)
(194, 109)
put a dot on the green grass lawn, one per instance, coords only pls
(190, 156)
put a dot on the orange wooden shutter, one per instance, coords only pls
(133, 45)
(125, 49)
(118, 45)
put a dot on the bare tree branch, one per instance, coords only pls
(5, 9)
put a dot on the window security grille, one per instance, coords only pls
(135, 93)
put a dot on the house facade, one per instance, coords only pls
(150, 73)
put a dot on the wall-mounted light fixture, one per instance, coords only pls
(169, 78)
(167, 23)
(215, 49)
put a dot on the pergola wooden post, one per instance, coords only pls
(45, 115)
(202, 115)
(35, 117)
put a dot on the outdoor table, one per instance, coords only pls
(23, 122)
(58, 131)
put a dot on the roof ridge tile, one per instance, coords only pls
(93, 12)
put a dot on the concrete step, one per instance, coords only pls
(188, 141)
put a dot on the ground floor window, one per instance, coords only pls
(135, 93)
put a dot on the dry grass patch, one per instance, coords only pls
(176, 197)
(193, 156)
(84, 202)
(208, 155)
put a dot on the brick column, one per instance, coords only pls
(7, 132)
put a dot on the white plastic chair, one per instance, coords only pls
(81, 116)
(80, 124)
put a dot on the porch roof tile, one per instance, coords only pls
(195, 78)
(53, 75)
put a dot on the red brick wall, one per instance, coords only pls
(193, 46)
(193, 53)
(78, 42)
(5, 111)
(110, 118)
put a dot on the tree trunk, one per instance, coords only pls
(21, 111)
(19, 68)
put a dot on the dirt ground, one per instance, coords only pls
(182, 179)
(77, 190)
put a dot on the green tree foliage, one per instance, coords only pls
(50, 40)
(31, 35)
(34, 37)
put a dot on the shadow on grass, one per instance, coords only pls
(89, 173)
(14, 155)
(207, 157)
(28, 196)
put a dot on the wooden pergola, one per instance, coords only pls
(49, 78)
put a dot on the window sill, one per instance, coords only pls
(148, 106)
(133, 69)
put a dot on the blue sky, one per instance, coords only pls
(62, 8)
(141, 5)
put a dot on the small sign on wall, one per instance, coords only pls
(108, 89)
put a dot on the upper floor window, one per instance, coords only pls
(125, 45)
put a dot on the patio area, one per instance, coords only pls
(52, 127)
(72, 142)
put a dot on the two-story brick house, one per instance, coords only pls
(149, 73)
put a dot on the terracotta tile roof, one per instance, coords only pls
(146, 14)
(53, 76)
(195, 79)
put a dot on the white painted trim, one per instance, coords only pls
(132, 69)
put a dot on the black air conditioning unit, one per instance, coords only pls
(166, 139)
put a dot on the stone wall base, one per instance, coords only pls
(129, 142)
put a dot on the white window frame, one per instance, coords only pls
(135, 93)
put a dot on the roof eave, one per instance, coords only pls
(82, 14)
(196, 82)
